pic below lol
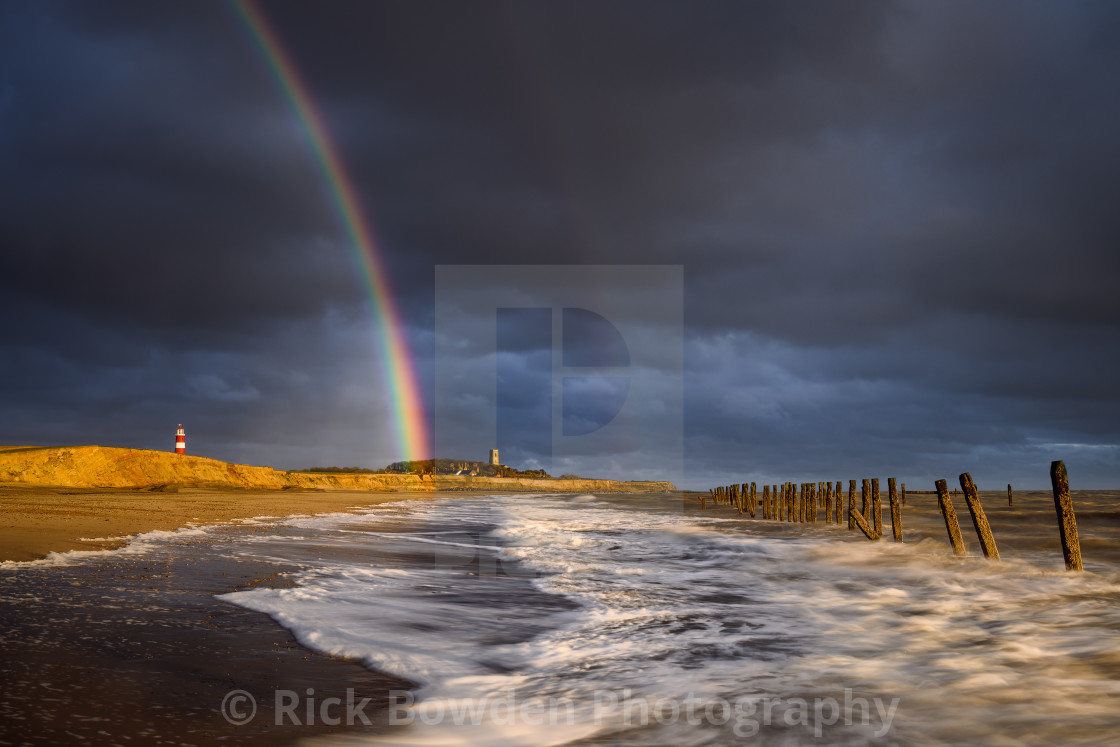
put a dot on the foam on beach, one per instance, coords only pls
(135, 544)
(558, 600)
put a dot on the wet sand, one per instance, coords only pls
(138, 651)
(35, 521)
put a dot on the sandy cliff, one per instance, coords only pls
(108, 467)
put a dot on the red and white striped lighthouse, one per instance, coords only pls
(180, 441)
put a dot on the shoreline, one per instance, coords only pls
(137, 649)
(36, 521)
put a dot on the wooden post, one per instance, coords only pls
(865, 498)
(791, 491)
(876, 508)
(861, 522)
(1010, 498)
(903, 494)
(979, 520)
(828, 504)
(896, 510)
(752, 499)
(950, 516)
(851, 504)
(837, 510)
(1067, 522)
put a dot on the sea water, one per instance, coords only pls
(547, 619)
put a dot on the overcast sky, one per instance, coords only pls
(897, 222)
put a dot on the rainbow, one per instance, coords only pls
(399, 371)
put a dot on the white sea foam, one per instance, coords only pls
(138, 544)
(668, 606)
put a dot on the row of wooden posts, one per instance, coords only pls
(803, 503)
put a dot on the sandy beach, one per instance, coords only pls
(36, 520)
(55, 499)
(137, 649)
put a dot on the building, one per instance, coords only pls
(494, 457)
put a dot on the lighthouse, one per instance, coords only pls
(180, 441)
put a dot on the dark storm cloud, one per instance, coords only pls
(896, 219)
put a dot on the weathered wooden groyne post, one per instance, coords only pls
(896, 510)
(867, 529)
(851, 504)
(828, 504)
(865, 498)
(1010, 498)
(752, 501)
(950, 516)
(837, 509)
(1067, 522)
(876, 519)
(903, 494)
(979, 519)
